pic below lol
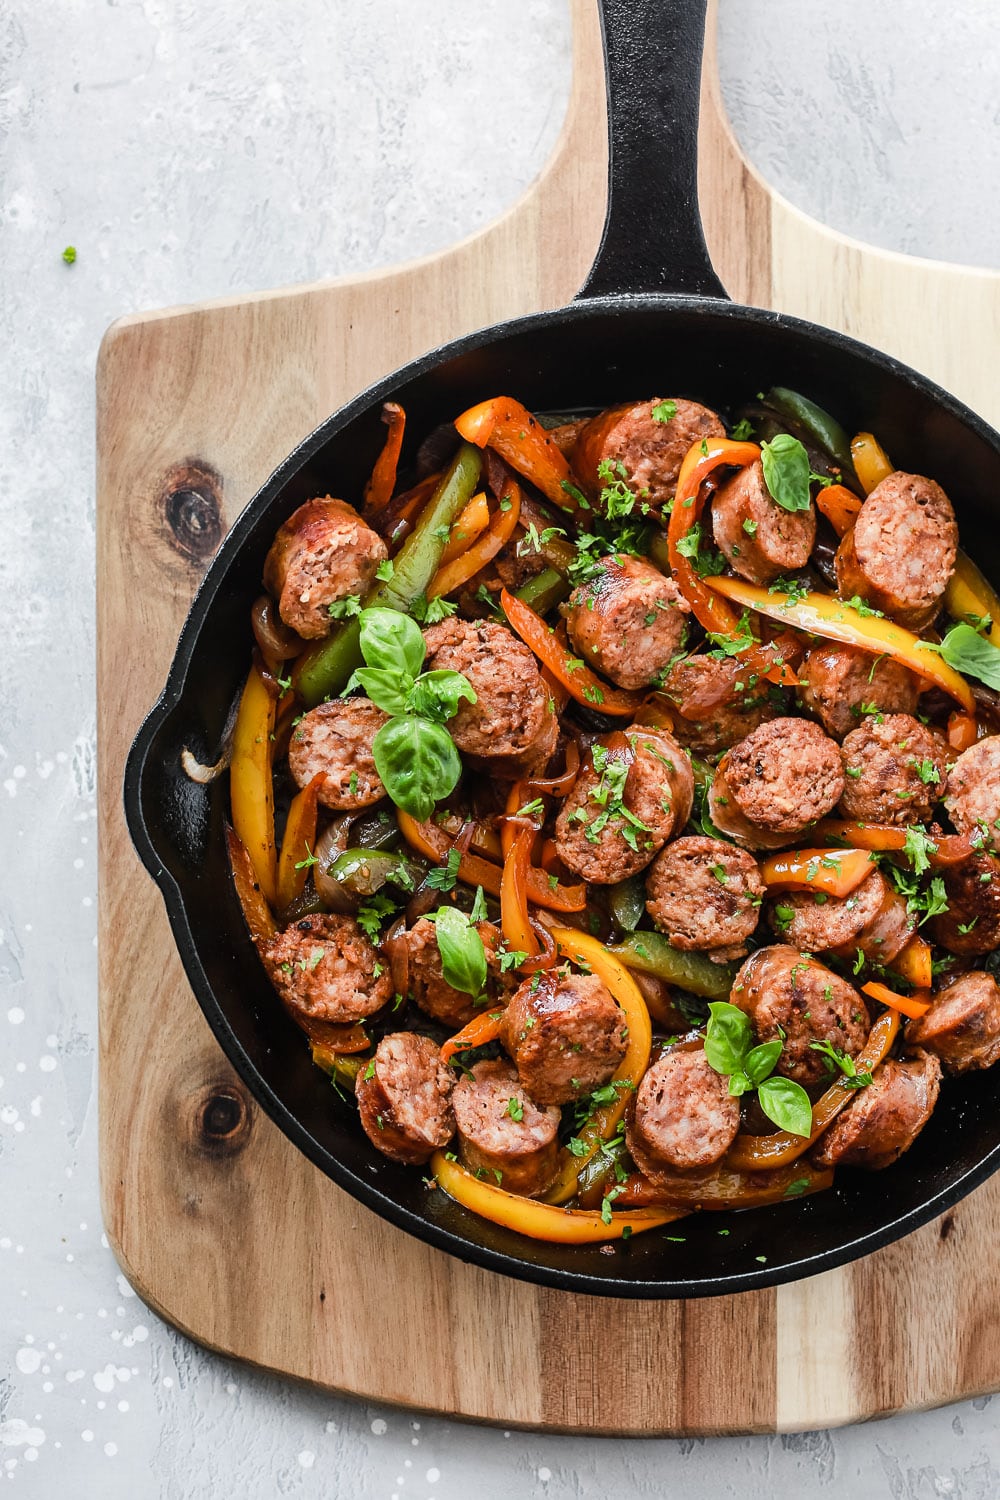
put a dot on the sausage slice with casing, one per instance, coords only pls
(683, 1118)
(962, 1025)
(884, 1118)
(835, 680)
(705, 895)
(504, 1137)
(729, 719)
(326, 968)
(788, 995)
(324, 552)
(873, 918)
(628, 620)
(647, 442)
(900, 553)
(335, 740)
(973, 792)
(757, 536)
(404, 1098)
(565, 1035)
(970, 925)
(771, 786)
(895, 770)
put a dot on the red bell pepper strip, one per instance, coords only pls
(378, 490)
(520, 439)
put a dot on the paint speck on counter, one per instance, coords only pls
(307, 1458)
(379, 1427)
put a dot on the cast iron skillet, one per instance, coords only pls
(652, 319)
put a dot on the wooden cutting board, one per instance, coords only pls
(219, 1223)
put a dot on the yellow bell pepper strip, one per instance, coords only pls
(756, 1153)
(962, 731)
(514, 916)
(378, 490)
(500, 530)
(970, 597)
(587, 952)
(507, 427)
(914, 1006)
(256, 912)
(471, 524)
(573, 673)
(343, 1070)
(871, 462)
(431, 840)
(475, 1033)
(829, 617)
(943, 850)
(840, 506)
(838, 872)
(650, 953)
(914, 964)
(251, 790)
(701, 460)
(542, 1221)
(727, 1189)
(298, 843)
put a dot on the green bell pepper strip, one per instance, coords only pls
(324, 668)
(824, 430)
(545, 590)
(627, 901)
(650, 953)
(362, 872)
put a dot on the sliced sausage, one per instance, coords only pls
(873, 918)
(963, 1024)
(565, 435)
(628, 621)
(834, 681)
(651, 451)
(971, 923)
(900, 553)
(894, 770)
(512, 727)
(335, 740)
(779, 779)
(972, 796)
(625, 805)
(757, 536)
(504, 1137)
(884, 1118)
(322, 553)
(427, 984)
(326, 968)
(705, 895)
(789, 995)
(683, 1118)
(565, 1035)
(728, 720)
(404, 1098)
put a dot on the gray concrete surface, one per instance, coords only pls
(188, 150)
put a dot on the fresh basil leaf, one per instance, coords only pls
(388, 689)
(967, 651)
(739, 1084)
(759, 1061)
(786, 472)
(787, 1104)
(436, 695)
(391, 640)
(418, 763)
(727, 1037)
(463, 957)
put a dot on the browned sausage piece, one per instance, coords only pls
(323, 552)
(789, 995)
(683, 1117)
(565, 1035)
(885, 1118)
(900, 553)
(971, 924)
(613, 822)
(777, 541)
(335, 740)
(512, 726)
(705, 895)
(894, 770)
(651, 451)
(785, 775)
(404, 1098)
(503, 1136)
(427, 984)
(326, 968)
(628, 621)
(565, 435)
(836, 680)
(728, 720)
(973, 792)
(873, 918)
(962, 1025)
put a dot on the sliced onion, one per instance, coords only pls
(331, 842)
(276, 641)
(397, 951)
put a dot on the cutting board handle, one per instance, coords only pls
(653, 240)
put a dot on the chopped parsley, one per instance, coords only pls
(664, 411)
(444, 877)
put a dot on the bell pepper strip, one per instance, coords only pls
(343, 1070)
(838, 872)
(471, 524)
(507, 427)
(326, 1037)
(654, 714)
(914, 964)
(871, 462)
(727, 1189)
(515, 919)
(401, 512)
(378, 490)
(914, 1006)
(432, 841)
(251, 789)
(498, 533)
(751, 1153)
(544, 591)
(582, 949)
(818, 425)
(475, 1033)
(298, 843)
(542, 1221)
(946, 849)
(710, 611)
(517, 797)
(962, 731)
(840, 506)
(970, 598)
(574, 675)
(552, 545)
(325, 666)
(829, 617)
(650, 953)
(256, 912)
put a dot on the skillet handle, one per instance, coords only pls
(653, 240)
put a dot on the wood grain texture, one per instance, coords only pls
(220, 1224)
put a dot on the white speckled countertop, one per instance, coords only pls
(191, 150)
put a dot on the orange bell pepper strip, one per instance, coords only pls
(914, 964)
(500, 530)
(700, 461)
(727, 1189)
(962, 731)
(515, 919)
(542, 1221)
(914, 1006)
(256, 912)
(329, 1041)
(296, 846)
(378, 490)
(432, 841)
(947, 849)
(251, 790)
(472, 522)
(574, 675)
(753, 1153)
(585, 951)
(829, 617)
(970, 597)
(507, 427)
(840, 506)
(475, 1033)
(838, 872)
